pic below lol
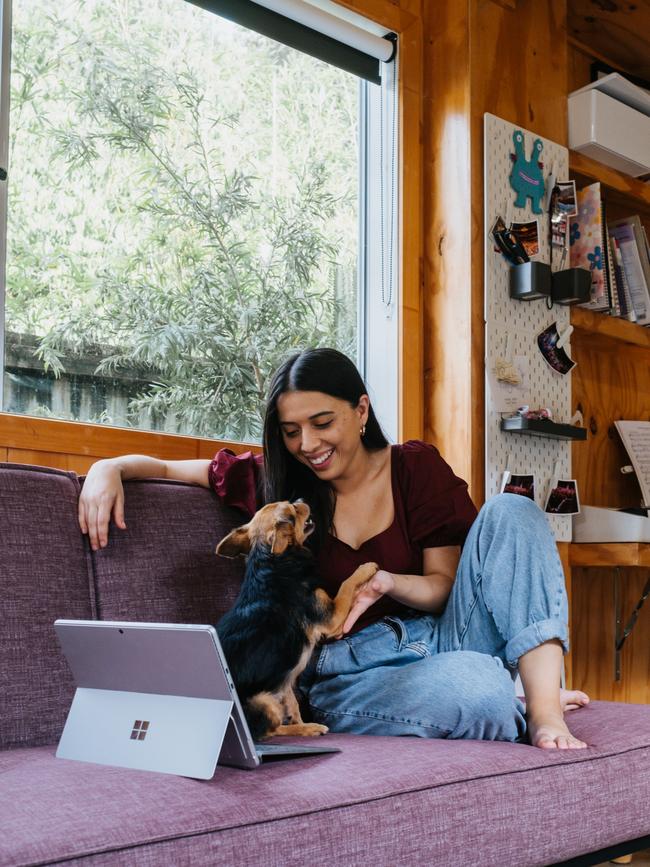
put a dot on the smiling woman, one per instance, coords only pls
(321, 434)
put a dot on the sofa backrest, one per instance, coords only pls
(45, 573)
(161, 569)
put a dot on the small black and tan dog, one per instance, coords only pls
(279, 616)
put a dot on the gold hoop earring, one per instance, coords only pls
(362, 430)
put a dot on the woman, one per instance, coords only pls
(434, 641)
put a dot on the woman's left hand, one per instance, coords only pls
(382, 582)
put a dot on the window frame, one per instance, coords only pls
(29, 434)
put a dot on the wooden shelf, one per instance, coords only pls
(625, 185)
(609, 554)
(610, 326)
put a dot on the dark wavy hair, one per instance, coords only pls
(285, 478)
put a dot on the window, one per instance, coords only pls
(187, 202)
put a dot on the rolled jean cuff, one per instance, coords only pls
(535, 634)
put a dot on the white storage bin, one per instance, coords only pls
(610, 132)
(595, 524)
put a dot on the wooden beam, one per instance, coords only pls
(74, 445)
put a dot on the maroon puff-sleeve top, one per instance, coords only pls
(432, 510)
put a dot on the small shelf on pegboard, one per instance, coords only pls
(543, 427)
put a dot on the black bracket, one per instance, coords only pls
(622, 634)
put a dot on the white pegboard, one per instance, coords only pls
(522, 321)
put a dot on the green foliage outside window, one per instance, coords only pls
(183, 192)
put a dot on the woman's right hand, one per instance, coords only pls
(102, 497)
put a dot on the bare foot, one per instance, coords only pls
(550, 732)
(572, 699)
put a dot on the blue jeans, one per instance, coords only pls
(452, 675)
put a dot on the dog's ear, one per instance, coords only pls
(284, 530)
(282, 536)
(235, 543)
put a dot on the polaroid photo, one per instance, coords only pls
(563, 498)
(556, 358)
(524, 485)
(567, 199)
(528, 236)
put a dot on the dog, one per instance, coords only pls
(281, 613)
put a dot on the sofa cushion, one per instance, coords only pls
(162, 568)
(380, 801)
(46, 574)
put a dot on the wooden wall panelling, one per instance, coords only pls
(411, 422)
(578, 69)
(520, 65)
(397, 15)
(75, 446)
(49, 435)
(593, 631)
(611, 382)
(448, 385)
(76, 463)
(209, 448)
(617, 31)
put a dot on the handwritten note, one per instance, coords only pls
(636, 439)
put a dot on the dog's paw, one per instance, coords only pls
(366, 571)
(313, 729)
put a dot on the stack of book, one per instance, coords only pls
(617, 254)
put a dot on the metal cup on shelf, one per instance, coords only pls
(571, 286)
(530, 280)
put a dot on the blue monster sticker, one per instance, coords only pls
(526, 177)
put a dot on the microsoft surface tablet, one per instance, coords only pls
(158, 697)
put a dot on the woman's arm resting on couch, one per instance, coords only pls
(102, 496)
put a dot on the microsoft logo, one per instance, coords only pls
(140, 729)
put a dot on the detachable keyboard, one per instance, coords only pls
(288, 749)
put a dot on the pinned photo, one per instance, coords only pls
(522, 485)
(507, 243)
(567, 200)
(528, 236)
(563, 499)
(564, 204)
(550, 345)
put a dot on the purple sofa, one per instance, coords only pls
(381, 801)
